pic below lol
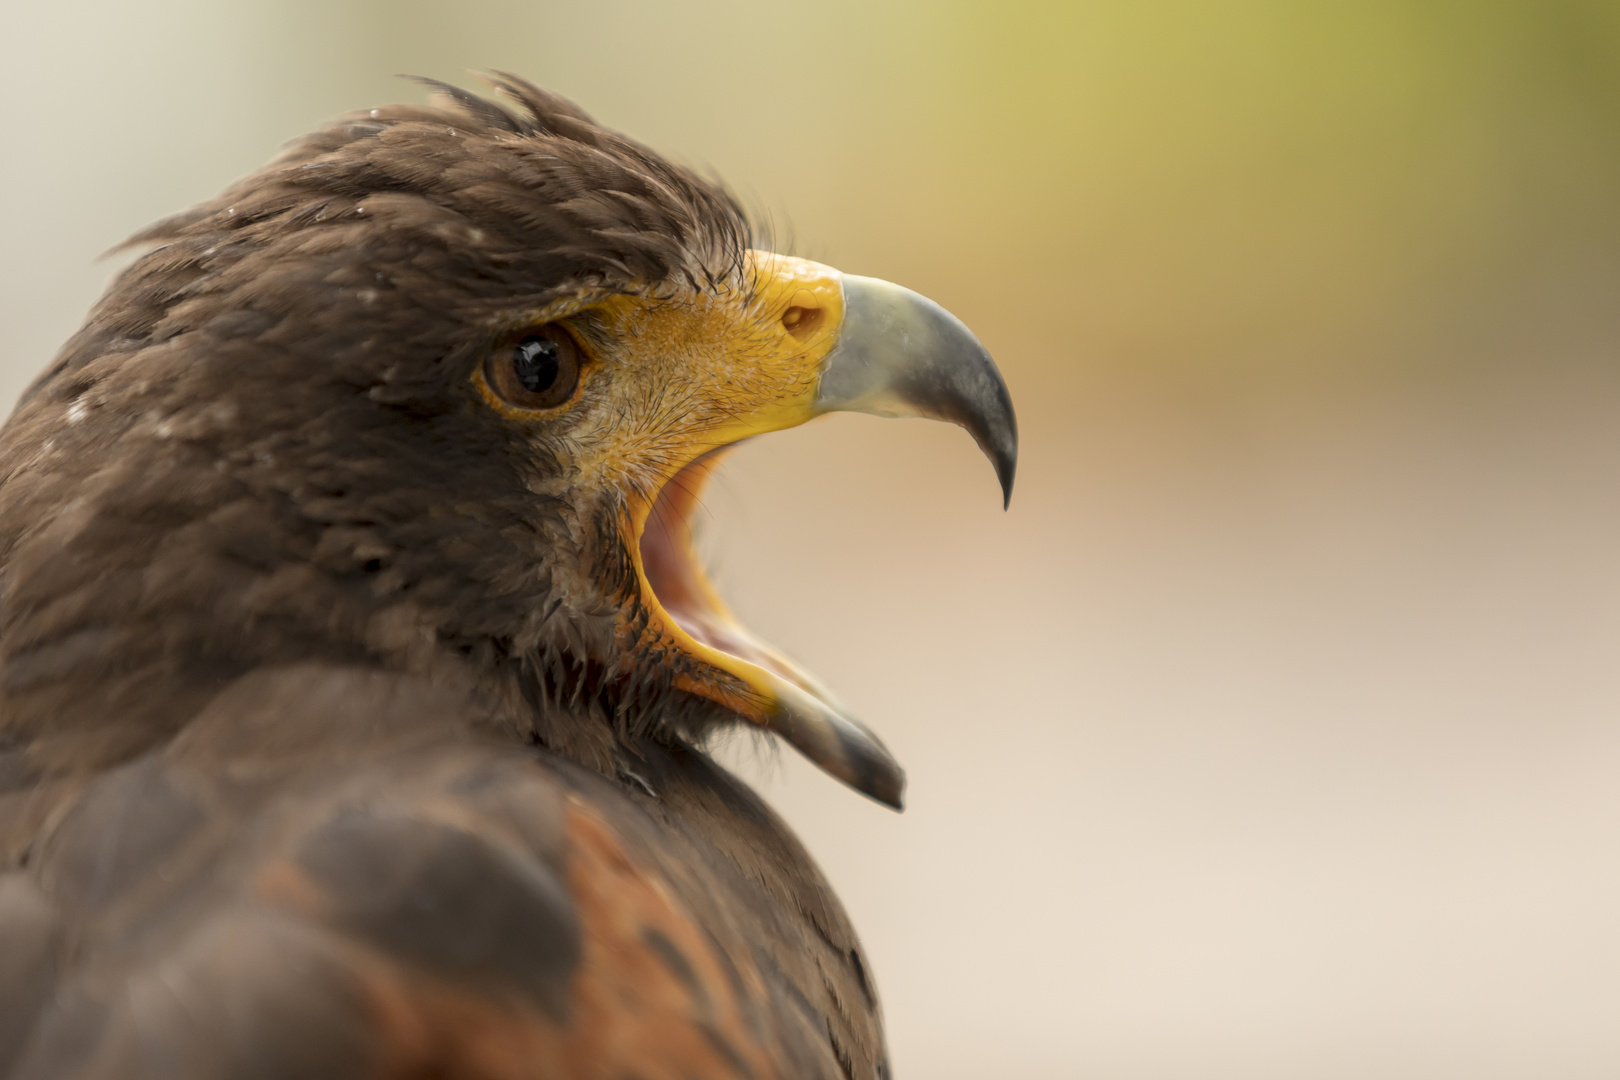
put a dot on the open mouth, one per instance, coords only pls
(681, 589)
(840, 343)
(765, 687)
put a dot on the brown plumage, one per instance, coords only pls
(340, 734)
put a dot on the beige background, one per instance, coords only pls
(1274, 733)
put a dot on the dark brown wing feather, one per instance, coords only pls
(328, 873)
(231, 845)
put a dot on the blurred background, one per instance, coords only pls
(1275, 731)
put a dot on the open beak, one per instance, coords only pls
(818, 342)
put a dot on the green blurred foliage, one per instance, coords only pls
(1199, 181)
(1252, 186)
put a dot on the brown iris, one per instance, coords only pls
(537, 369)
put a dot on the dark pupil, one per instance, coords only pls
(536, 364)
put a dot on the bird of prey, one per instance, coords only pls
(356, 671)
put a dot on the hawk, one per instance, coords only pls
(356, 670)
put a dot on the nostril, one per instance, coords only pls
(802, 321)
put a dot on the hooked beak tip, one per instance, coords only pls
(901, 354)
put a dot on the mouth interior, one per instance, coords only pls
(681, 587)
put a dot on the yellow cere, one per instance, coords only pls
(699, 371)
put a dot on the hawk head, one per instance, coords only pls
(437, 390)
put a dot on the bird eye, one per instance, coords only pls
(538, 369)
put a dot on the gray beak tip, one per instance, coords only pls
(841, 745)
(901, 354)
(1004, 455)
